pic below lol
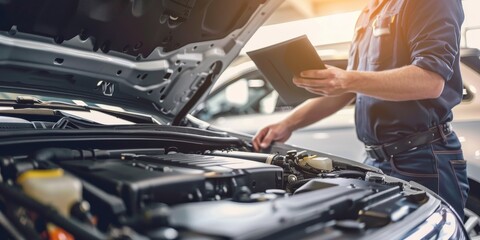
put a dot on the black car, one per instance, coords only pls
(96, 140)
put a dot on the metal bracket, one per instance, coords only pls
(108, 88)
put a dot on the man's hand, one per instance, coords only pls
(401, 84)
(303, 115)
(327, 82)
(276, 132)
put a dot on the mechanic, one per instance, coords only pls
(405, 76)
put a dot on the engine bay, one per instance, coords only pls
(216, 194)
(63, 177)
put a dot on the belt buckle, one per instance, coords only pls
(447, 127)
(376, 152)
(444, 130)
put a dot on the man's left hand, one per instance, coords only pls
(326, 82)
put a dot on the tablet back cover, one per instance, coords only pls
(280, 62)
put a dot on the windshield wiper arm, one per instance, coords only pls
(33, 102)
(27, 100)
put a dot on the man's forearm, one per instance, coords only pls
(316, 109)
(402, 84)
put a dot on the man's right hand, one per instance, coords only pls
(278, 132)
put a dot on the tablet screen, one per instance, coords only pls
(280, 62)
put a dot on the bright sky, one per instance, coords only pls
(472, 19)
(321, 30)
(340, 27)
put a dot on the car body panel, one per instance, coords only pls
(160, 66)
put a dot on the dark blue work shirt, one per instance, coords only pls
(397, 33)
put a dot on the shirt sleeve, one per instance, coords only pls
(433, 29)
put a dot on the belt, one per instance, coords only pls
(388, 150)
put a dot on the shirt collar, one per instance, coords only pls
(374, 6)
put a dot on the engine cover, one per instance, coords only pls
(143, 180)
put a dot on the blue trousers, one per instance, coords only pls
(438, 166)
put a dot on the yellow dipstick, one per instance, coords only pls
(309, 157)
(303, 162)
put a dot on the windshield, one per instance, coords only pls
(52, 110)
(47, 99)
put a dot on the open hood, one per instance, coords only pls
(155, 56)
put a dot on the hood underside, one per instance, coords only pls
(154, 56)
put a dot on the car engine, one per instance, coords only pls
(82, 180)
(216, 194)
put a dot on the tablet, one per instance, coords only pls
(279, 63)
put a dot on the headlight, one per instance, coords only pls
(441, 225)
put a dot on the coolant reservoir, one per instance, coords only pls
(319, 163)
(52, 187)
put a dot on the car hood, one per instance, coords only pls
(157, 57)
